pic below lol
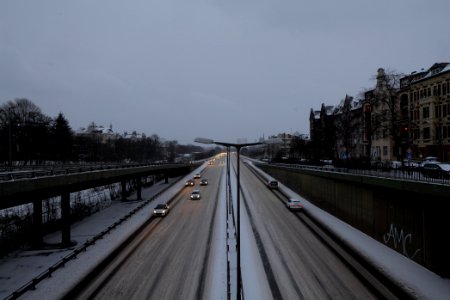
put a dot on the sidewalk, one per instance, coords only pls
(20, 267)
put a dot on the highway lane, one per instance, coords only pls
(169, 259)
(297, 263)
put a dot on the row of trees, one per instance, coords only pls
(27, 136)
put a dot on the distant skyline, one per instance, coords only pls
(224, 70)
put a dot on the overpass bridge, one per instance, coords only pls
(34, 186)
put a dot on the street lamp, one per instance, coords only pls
(238, 234)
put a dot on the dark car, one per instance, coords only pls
(272, 184)
(436, 170)
(189, 182)
(204, 181)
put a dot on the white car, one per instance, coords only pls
(195, 195)
(161, 210)
(294, 204)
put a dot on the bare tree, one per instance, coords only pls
(348, 121)
(28, 129)
(385, 108)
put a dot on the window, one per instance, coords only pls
(444, 89)
(385, 150)
(438, 132)
(426, 133)
(444, 110)
(416, 133)
(437, 111)
(425, 112)
(429, 92)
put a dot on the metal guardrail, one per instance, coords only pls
(396, 174)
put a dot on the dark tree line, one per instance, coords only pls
(27, 136)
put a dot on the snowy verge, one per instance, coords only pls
(411, 277)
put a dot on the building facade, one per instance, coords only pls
(425, 99)
(401, 118)
(381, 121)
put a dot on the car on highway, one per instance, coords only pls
(294, 204)
(196, 176)
(195, 195)
(189, 182)
(161, 210)
(204, 181)
(272, 184)
(436, 170)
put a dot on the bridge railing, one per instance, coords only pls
(34, 172)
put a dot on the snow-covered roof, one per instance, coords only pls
(435, 70)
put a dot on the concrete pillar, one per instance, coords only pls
(139, 188)
(65, 218)
(124, 190)
(37, 223)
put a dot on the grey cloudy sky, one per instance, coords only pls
(217, 69)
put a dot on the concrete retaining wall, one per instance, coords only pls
(410, 217)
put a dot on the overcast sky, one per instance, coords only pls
(217, 69)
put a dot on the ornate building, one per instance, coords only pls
(381, 118)
(425, 102)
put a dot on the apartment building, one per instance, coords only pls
(336, 131)
(402, 117)
(425, 105)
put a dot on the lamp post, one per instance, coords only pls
(238, 210)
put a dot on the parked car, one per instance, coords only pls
(395, 164)
(204, 181)
(429, 159)
(189, 182)
(436, 170)
(294, 204)
(195, 195)
(161, 210)
(410, 164)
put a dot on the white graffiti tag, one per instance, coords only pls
(399, 238)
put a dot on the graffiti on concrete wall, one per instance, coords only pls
(399, 239)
